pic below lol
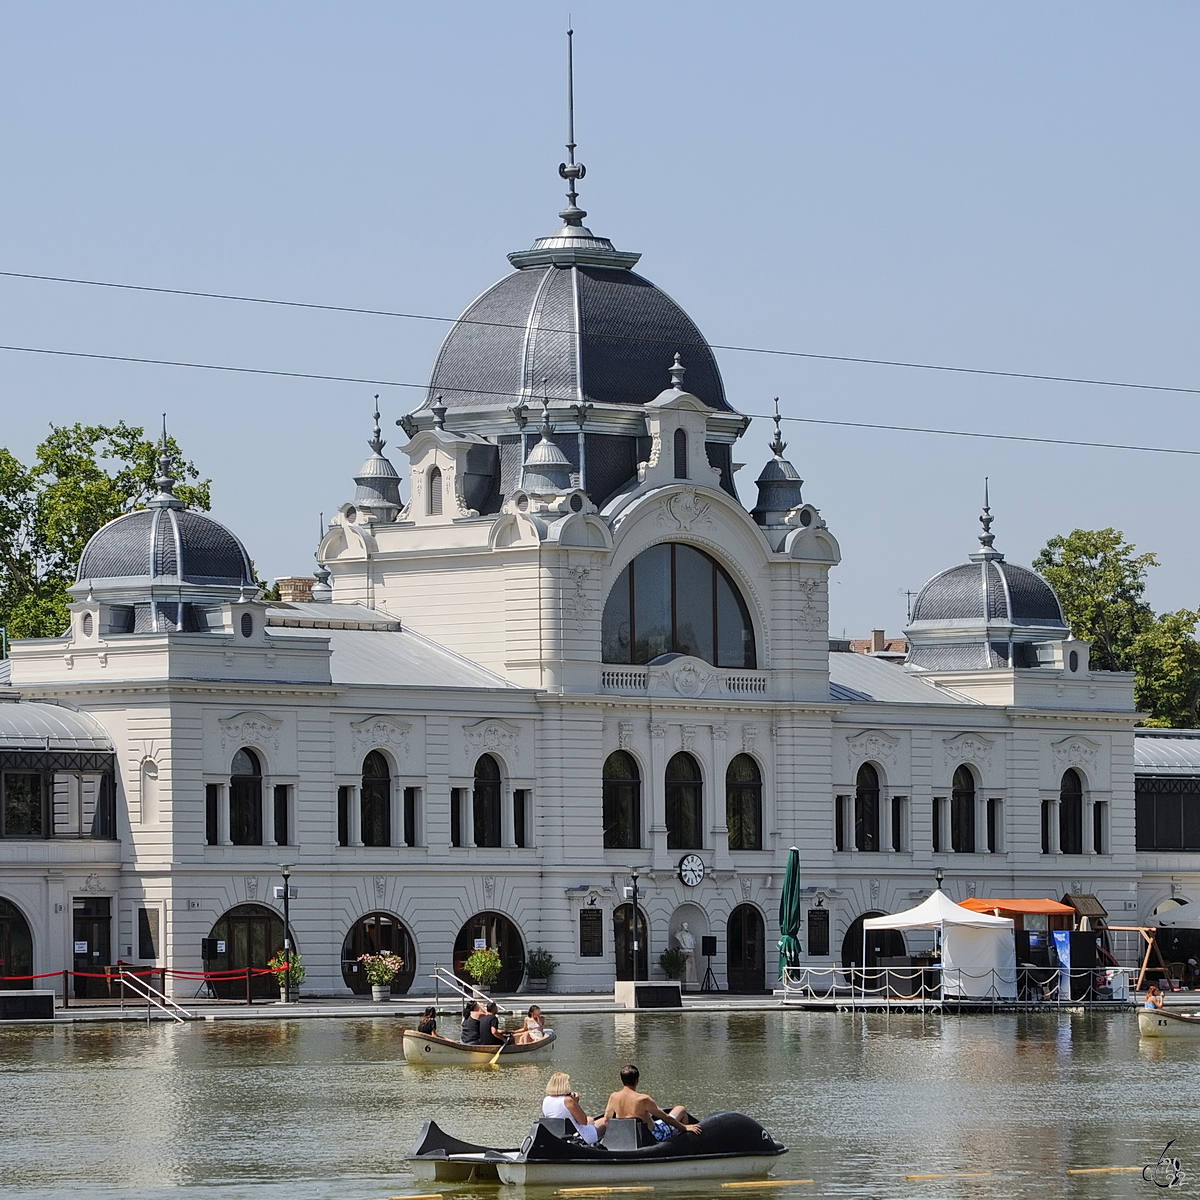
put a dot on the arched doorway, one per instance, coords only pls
(16, 947)
(498, 933)
(881, 943)
(378, 933)
(623, 940)
(246, 936)
(746, 950)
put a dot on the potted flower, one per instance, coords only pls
(539, 966)
(380, 970)
(295, 977)
(484, 968)
(673, 963)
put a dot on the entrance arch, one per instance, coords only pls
(746, 950)
(501, 935)
(881, 943)
(248, 935)
(623, 940)
(16, 947)
(376, 933)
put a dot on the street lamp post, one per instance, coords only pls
(636, 946)
(286, 872)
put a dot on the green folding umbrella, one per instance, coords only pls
(789, 914)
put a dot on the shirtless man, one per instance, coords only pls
(629, 1102)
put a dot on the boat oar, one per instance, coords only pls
(492, 1060)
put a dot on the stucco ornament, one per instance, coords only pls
(746, 886)
(577, 606)
(1077, 751)
(687, 736)
(968, 747)
(492, 735)
(749, 737)
(92, 883)
(685, 511)
(253, 728)
(810, 614)
(687, 677)
(658, 729)
(380, 887)
(251, 887)
(489, 887)
(873, 744)
(381, 731)
(624, 735)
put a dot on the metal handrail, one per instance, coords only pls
(467, 991)
(153, 996)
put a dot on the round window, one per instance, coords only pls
(247, 624)
(1073, 660)
(576, 502)
(87, 624)
(523, 503)
(352, 515)
(806, 517)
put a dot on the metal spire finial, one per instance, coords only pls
(547, 429)
(571, 170)
(377, 443)
(987, 537)
(164, 481)
(778, 445)
(678, 371)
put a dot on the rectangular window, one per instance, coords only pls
(343, 816)
(410, 815)
(899, 823)
(622, 814)
(212, 802)
(1070, 823)
(866, 819)
(818, 932)
(1047, 808)
(22, 812)
(148, 933)
(245, 810)
(1099, 827)
(839, 821)
(375, 803)
(456, 807)
(281, 814)
(591, 933)
(962, 823)
(1168, 814)
(939, 803)
(995, 826)
(520, 805)
(104, 819)
(485, 812)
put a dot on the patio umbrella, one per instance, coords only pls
(789, 913)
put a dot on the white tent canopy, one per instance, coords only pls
(979, 953)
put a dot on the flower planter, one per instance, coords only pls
(537, 985)
(381, 993)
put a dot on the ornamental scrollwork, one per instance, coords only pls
(250, 727)
(968, 747)
(685, 510)
(873, 744)
(492, 735)
(1076, 751)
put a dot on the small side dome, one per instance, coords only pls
(992, 590)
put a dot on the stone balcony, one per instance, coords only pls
(685, 676)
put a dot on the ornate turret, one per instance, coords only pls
(378, 494)
(778, 483)
(547, 469)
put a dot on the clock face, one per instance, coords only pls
(691, 869)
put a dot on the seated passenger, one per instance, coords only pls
(490, 1033)
(428, 1023)
(560, 1101)
(470, 1026)
(1154, 998)
(629, 1102)
(533, 1029)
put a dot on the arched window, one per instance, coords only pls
(674, 598)
(866, 808)
(743, 804)
(622, 802)
(486, 801)
(245, 800)
(376, 797)
(149, 792)
(684, 803)
(1070, 813)
(16, 946)
(434, 506)
(962, 812)
(681, 448)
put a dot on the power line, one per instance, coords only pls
(1002, 437)
(675, 344)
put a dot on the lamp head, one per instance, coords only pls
(286, 871)
(939, 875)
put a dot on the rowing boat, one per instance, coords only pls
(1159, 1022)
(437, 1051)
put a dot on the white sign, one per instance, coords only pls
(81, 947)
(480, 944)
(220, 946)
(292, 893)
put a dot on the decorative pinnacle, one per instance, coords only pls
(581, 412)
(987, 537)
(164, 481)
(678, 371)
(547, 429)
(778, 445)
(377, 443)
(571, 170)
(439, 414)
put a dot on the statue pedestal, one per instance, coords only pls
(659, 994)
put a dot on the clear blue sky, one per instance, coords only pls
(1009, 186)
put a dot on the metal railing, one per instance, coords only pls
(153, 997)
(467, 991)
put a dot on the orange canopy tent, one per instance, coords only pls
(1007, 906)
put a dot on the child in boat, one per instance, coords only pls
(428, 1023)
(533, 1029)
(560, 1101)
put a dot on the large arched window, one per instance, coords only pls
(376, 801)
(676, 599)
(866, 808)
(486, 801)
(962, 812)
(622, 802)
(1070, 813)
(681, 455)
(245, 800)
(684, 803)
(743, 804)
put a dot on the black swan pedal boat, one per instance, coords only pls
(436, 1051)
(730, 1145)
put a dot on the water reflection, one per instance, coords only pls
(325, 1109)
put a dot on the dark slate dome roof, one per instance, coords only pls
(596, 333)
(990, 590)
(166, 542)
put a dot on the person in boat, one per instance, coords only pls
(428, 1023)
(1154, 997)
(629, 1102)
(472, 1012)
(560, 1101)
(533, 1029)
(490, 1033)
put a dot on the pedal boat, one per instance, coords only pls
(1161, 1022)
(730, 1146)
(436, 1051)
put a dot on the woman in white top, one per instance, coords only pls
(534, 1028)
(560, 1101)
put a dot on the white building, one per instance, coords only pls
(568, 650)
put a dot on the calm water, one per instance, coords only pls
(327, 1109)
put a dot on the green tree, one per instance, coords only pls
(1100, 580)
(82, 477)
(1167, 658)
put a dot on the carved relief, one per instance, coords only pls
(968, 747)
(685, 510)
(92, 883)
(495, 735)
(251, 887)
(689, 679)
(749, 735)
(489, 886)
(745, 882)
(873, 744)
(577, 606)
(624, 735)
(380, 888)
(381, 731)
(874, 892)
(1077, 751)
(720, 733)
(688, 735)
(250, 727)
(809, 610)
(657, 729)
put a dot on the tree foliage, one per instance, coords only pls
(1167, 658)
(82, 477)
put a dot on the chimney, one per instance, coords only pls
(295, 589)
(878, 640)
